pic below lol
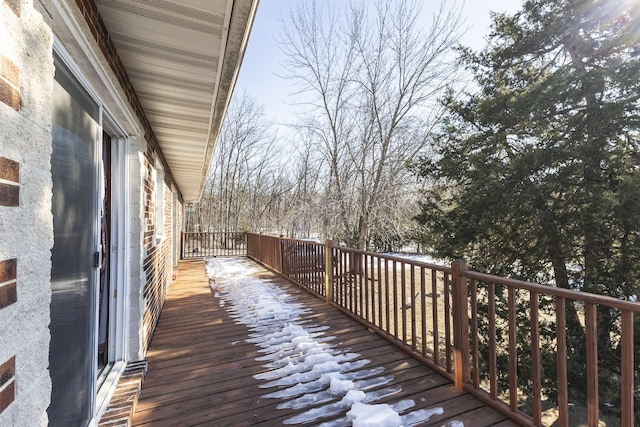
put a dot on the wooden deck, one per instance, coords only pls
(201, 368)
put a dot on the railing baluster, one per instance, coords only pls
(591, 328)
(403, 304)
(513, 350)
(313, 270)
(299, 266)
(493, 359)
(313, 266)
(354, 283)
(561, 359)
(395, 300)
(447, 321)
(371, 280)
(413, 307)
(365, 280)
(305, 261)
(434, 315)
(474, 333)
(345, 279)
(386, 296)
(380, 301)
(304, 264)
(535, 359)
(423, 308)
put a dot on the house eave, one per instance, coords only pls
(182, 59)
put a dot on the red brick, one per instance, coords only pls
(8, 270)
(9, 95)
(9, 71)
(9, 169)
(7, 371)
(9, 195)
(7, 396)
(14, 5)
(8, 296)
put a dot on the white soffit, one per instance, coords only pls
(182, 58)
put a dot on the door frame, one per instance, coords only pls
(118, 269)
(103, 388)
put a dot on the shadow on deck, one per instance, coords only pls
(202, 368)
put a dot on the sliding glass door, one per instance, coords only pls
(75, 260)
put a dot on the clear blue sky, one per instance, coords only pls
(262, 61)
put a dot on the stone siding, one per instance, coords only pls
(26, 225)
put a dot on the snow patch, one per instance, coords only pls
(300, 362)
(363, 415)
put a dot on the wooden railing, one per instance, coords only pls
(488, 291)
(209, 244)
(466, 325)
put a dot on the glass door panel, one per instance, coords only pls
(104, 294)
(74, 262)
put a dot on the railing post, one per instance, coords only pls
(627, 369)
(181, 244)
(246, 244)
(328, 271)
(282, 257)
(461, 370)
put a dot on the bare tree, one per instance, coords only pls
(302, 210)
(320, 60)
(370, 80)
(242, 176)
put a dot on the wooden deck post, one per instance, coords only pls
(181, 244)
(627, 369)
(461, 370)
(328, 271)
(283, 262)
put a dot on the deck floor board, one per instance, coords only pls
(201, 368)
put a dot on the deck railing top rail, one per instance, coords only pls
(575, 295)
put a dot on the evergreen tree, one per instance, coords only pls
(536, 173)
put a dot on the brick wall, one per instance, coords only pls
(157, 263)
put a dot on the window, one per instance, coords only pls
(159, 188)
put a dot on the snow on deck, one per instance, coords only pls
(303, 368)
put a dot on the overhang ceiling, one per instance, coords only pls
(182, 58)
